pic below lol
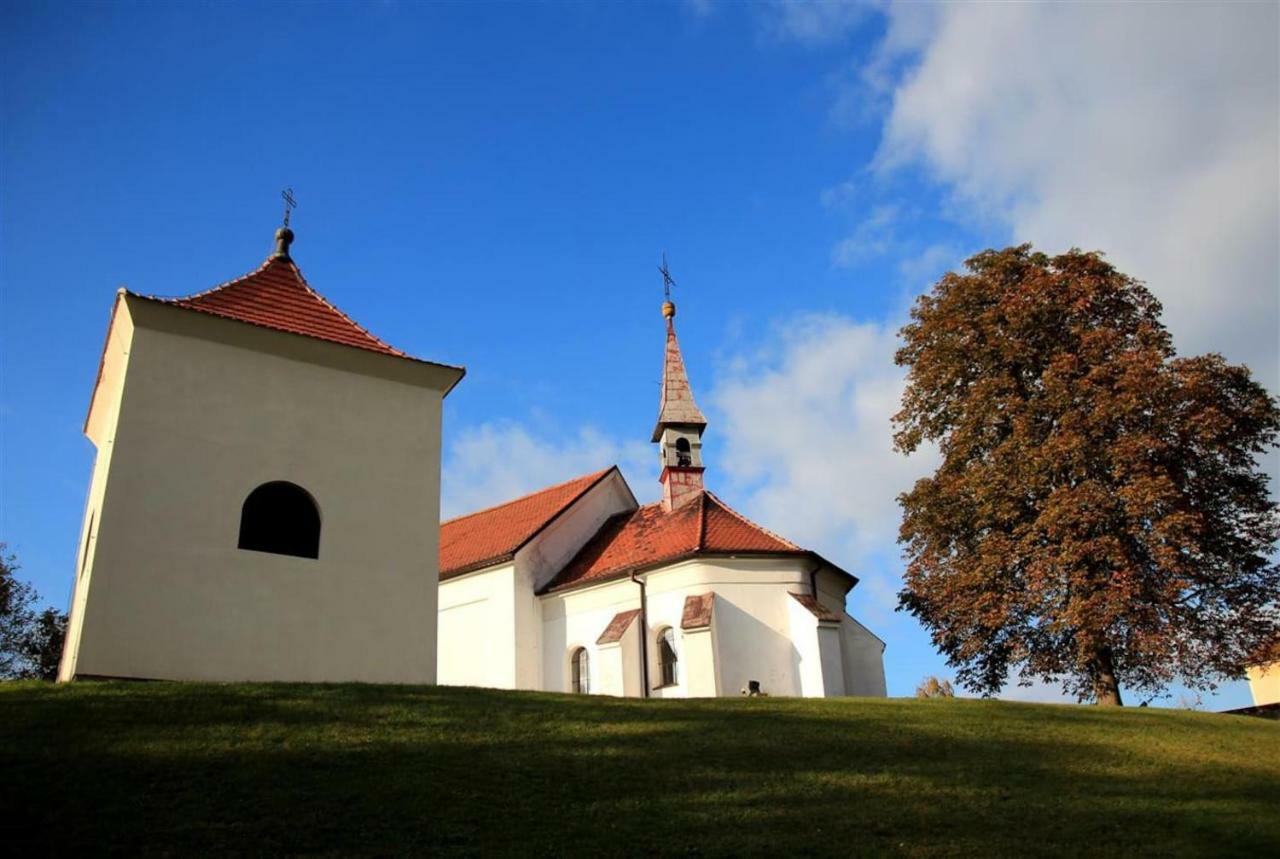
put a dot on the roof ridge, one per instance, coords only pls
(297, 272)
(726, 508)
(202, 293)
(702, 520)
(519, 498)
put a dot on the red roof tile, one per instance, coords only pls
(618, 627)
(817, 609)
(697, 611)
(649, 536)
(276, 296)
(492, 536)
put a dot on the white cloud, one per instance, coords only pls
(496, 462)
(1149, 131)
(808, 444)
(700, 8)
(921, 271)
(815, 21)
(872, 237)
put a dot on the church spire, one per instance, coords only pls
(677, 407)
(680, 422)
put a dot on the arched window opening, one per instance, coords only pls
(580, 671)
(281, 518)
(683, 454)
(667, 658)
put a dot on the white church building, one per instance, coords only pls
(264, 505)
(578, 588)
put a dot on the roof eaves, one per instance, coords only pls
(476, 566)
(169, 302)
(685, 555)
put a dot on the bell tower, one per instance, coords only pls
(680, 426)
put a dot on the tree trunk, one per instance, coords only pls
(1106, 689)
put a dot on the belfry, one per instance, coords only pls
(680, 425)
(265, 496)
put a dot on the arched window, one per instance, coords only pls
(667, 657)
(281, 518)
(683, 455)
(580, 671)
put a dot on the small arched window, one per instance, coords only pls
(683, 454)
(667, 658)
(281, 518)
(580, 671)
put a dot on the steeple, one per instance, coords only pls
(680, 426)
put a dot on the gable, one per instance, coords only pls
(492, 536)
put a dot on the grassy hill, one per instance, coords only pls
(350, 769)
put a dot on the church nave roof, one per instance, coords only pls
(650, 536)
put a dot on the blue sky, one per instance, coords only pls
(494, 185)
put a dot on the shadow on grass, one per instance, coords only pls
(351, 769)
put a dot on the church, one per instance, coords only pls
(264, 506)
(578, 588)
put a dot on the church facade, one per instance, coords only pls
(579, 588)
(264, 495)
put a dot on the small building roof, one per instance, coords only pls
(815, 608)
(676, 405)
(649, 536)
(697, 611)
(618, 627)
(494, 535)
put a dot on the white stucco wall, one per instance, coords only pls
(614, 667)
(209, 409)
(539, 560)
(862, 650)
(752, 635)
(477, 642)
(100, 427)
(576, 620)
(1264, 683)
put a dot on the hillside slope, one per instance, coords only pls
(185, 768)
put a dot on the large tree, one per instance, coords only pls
(30, 642)
(1099, 517)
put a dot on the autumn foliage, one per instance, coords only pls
(1099, 517)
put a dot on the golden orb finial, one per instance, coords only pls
(668, 309)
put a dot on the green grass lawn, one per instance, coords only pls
(351, 769)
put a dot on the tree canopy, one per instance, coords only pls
(1099, 517)
(30, 641)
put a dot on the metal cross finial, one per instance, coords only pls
(667, 280)
(289, 203)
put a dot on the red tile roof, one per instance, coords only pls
(492, 536)
(277, 296)
(618, 626)
(697, 611)
(649, 536)
(817, 609)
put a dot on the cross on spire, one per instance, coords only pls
(667, 280)
(289, 203)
